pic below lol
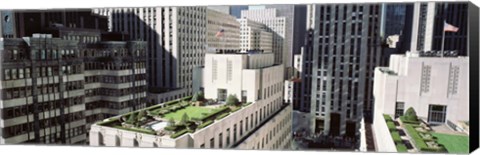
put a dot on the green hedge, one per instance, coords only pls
(415, 136)
(246, 104)
(401, 148)
(236, 109)
(205, 124)
(213, 114)
(391, 126)
(146, 131)
(388, 118)
(396, 137)
(404, 120)
(179, 133)
(222, 116)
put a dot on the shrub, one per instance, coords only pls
(131, 119)
(391, 126)
(396, 137)
(205, 124)
(232, 100)
(179, 133)
(213, 114)
(411, 115)
(184, 119)
(388, 118)
(171, 122)
(406, 121)
(195, 98)
(222, 116)
(419, 142)
(401, 148)
(200, 96)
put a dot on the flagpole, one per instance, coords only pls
(443, 37)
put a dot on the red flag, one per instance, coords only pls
(449, 28)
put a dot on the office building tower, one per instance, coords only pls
(342, 49)
(259, 120)
(177, 42)
(223, 31)
(255, 36)
(428, 23)
(276, 25)
(54, 85)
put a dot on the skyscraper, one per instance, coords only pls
(60, 79)
(278, 26)
(177, 42)
(342, 49)
(428, 22)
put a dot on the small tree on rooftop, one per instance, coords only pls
(184, 119)
(232, 100)
(200, 96)
(411, 115)
(131, 119)
(195, 97)
(171, 122)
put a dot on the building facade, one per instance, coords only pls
(342, 49)
(439, 100)
(54, 85)
(427, 26)
(263, 124)
(276, 25)
(228, 29)
(176, 39)
(254, 36)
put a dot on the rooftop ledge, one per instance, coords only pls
(387, 71)
(174, 118)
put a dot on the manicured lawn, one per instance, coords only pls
(192, 111)
(453, 143)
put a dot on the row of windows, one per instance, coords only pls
(20, 129)
(114, 105)
(285, 125)
(20, 73)
(20, 92)
(48, 54)
(114, 79)
(113, 66)
(18, 111)
(114, 92)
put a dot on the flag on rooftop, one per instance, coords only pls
(220, 33)
(449, 28)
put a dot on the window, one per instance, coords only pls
(437, 114)
(244, 96)
(212, 143)
(228, 137)
(222, 94)
(202, 146)
(234, 132)
(399, 107)
(220, 140)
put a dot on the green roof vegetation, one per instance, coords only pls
(420, 142)
(192, 111)
(453, 143)
(183, 116)
(401, 148)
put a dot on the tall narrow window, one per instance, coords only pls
(229, 70)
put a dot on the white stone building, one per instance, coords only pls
(436, 87)
(263, 124)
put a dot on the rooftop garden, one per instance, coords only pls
(453, 143)
(176, 117)
(420, 133)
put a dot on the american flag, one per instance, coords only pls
(219, 33)
(449, 28)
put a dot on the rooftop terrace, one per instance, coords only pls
(175, 118)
